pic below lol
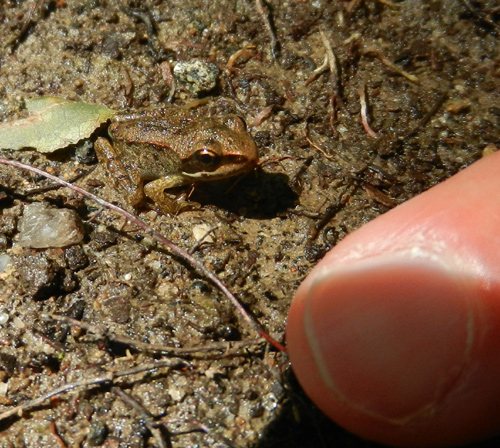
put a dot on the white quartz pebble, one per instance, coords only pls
(42, 226)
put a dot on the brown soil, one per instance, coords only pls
(434, 111)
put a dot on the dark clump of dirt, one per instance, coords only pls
(356, 106)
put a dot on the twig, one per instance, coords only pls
(319, 149)
(364, 116)
(390, 64)
(276, 159)
(169, 78)
(330, 63)
(200, 427)
(55, 185)
(334, 79)
(314, 145)
(86, 383)
(387, 3)
(266, 16)
(162, 437)
(329, 213)
(376, 195)
(249, 50)
(351, 38)
(27, 23)
(145, 17)
(53, 430)
(226, 348)
(261, 116)
(296, 181)
(322, 68)
(192, 261)
(480, 15)
(354, 3)
(232, 93)
(129, 87)
(427, 116)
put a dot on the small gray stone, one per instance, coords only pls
(5, 261)
(42, 226)
(197, 76)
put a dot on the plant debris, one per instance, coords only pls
(53, 123)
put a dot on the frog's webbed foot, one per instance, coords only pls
(166, 203)
(126, 179)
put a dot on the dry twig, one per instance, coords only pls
(364, 110)
(55, 185)
(248, 51)
(203, 239)
(261, 116)
(388, 63)
(129, 87)
(317, 72)
(427, 116)
(376, 195)
(226, 349)
(30, 19)
(158, 52)
(314, 145)
(330, 212)
(108, 378)
(480, 15)
(169, 78)
(266, 16)
(333, 64)
(355, 3)
(159, 431)
(176, 250)
(58, 438)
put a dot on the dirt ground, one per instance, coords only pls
(298, 72)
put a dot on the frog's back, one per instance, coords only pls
(152, 141)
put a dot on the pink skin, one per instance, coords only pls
(395, 335)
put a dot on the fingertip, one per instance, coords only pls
(383, 345)
(395, 335)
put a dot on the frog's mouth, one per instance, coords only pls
(228, 166)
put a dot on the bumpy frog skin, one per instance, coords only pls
(157, 149)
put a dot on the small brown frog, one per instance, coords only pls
(158, 149)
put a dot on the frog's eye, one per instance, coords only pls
(206, 157)
(202, 160)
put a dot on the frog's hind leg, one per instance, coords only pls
(126, 178)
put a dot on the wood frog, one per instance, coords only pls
(158, 149)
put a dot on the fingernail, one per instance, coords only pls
(392, 335)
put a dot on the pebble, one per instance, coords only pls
(197, 76)
(4, 318)
(42, 226)
(5, 261)
(458, 106)
(201, 232)
(18, 323)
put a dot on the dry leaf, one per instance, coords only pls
(53, 123)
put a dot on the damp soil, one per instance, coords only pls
(429, 73)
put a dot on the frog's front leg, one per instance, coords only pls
(128, 179)
(155, 190)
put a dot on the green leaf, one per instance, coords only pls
(53, 123)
